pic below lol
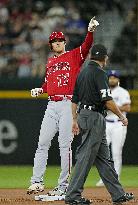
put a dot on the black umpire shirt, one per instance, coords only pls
(92, 86)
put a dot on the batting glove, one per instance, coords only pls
(36, 92)
(93, 24)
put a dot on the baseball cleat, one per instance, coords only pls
(35, 188)
(100, 183)
(126, 197)
(81, 201)
(57, 191)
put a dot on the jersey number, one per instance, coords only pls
(105, 93)
(63, 79)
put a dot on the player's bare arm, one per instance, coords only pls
(111, 105)
(75, 127)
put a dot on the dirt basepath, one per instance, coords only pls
(99, 196)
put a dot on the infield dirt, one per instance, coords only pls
(99, 196)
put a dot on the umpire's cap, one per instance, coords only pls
(98, 52)
(114, 73)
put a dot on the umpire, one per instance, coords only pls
(93, 95)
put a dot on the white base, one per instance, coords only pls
(49, 198)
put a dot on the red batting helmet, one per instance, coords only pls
(56, 35)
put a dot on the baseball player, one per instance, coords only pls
(61, 73)
(115, 132)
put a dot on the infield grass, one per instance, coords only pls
(19, 176)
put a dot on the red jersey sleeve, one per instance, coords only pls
(86, 45)
(80, 53)
(44, 87)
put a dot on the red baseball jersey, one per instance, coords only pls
(62, 71)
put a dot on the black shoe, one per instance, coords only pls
(81, 201)
(124, 198)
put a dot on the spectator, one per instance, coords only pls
(3, 62)
(22, 52)
(75, 25)
(56, 16)
(4, 40)
(24, 69)
(4, 13)
(56, 10)
(11, 68)
(33, 21)
(38, 38)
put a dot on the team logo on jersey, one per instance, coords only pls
(60, 78)
(58, 66)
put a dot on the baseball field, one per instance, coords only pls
(14, 181)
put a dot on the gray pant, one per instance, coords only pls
(93, 149)
(57, 118)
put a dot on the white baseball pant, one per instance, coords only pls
(116, 135)
(58, 117)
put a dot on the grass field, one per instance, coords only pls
(19, 176)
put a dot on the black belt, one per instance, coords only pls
(89, 107)
(93, 108)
